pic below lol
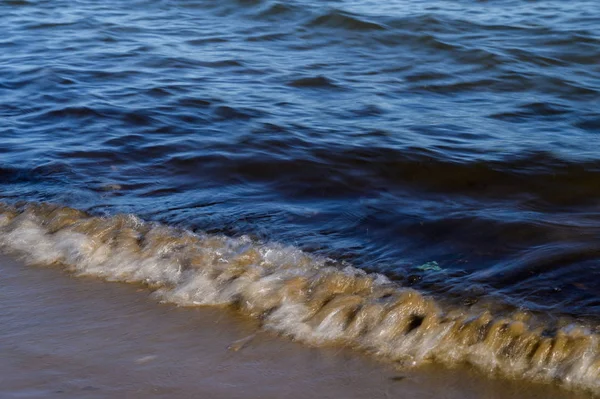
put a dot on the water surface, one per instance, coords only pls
(448, 146)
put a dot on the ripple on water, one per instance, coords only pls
(449, 146)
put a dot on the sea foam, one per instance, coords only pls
(298, 295)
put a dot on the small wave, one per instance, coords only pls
(18, 2)
(591, 124)
(73, 112)
(48, 26)
(300, 296)
(266, 37)
(206, 40)
(222, 63)
(194, 102)
(278, 9)
(355, 169)
(225, 112)
(313, 82)
(343, 20)
(531, 111)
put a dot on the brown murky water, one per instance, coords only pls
(65, 337)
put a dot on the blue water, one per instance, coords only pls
(386, 135)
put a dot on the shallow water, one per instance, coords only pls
(300, 296)
(447, 146)
(66, 338)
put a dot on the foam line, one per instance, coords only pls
(295, 294)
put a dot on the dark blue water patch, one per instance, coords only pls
(314, 82)
(536, 111)
(342, 20)
(591, 124)
(277, 9)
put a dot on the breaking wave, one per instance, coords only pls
(298, 295)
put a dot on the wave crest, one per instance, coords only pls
(298, 295)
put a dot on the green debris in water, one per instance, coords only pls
(430, 266)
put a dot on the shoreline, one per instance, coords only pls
(84, 338)
(297, 295)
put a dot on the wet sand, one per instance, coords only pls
(67, 337)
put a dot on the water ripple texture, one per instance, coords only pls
(451, 147)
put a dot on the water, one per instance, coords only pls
(449, 147)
